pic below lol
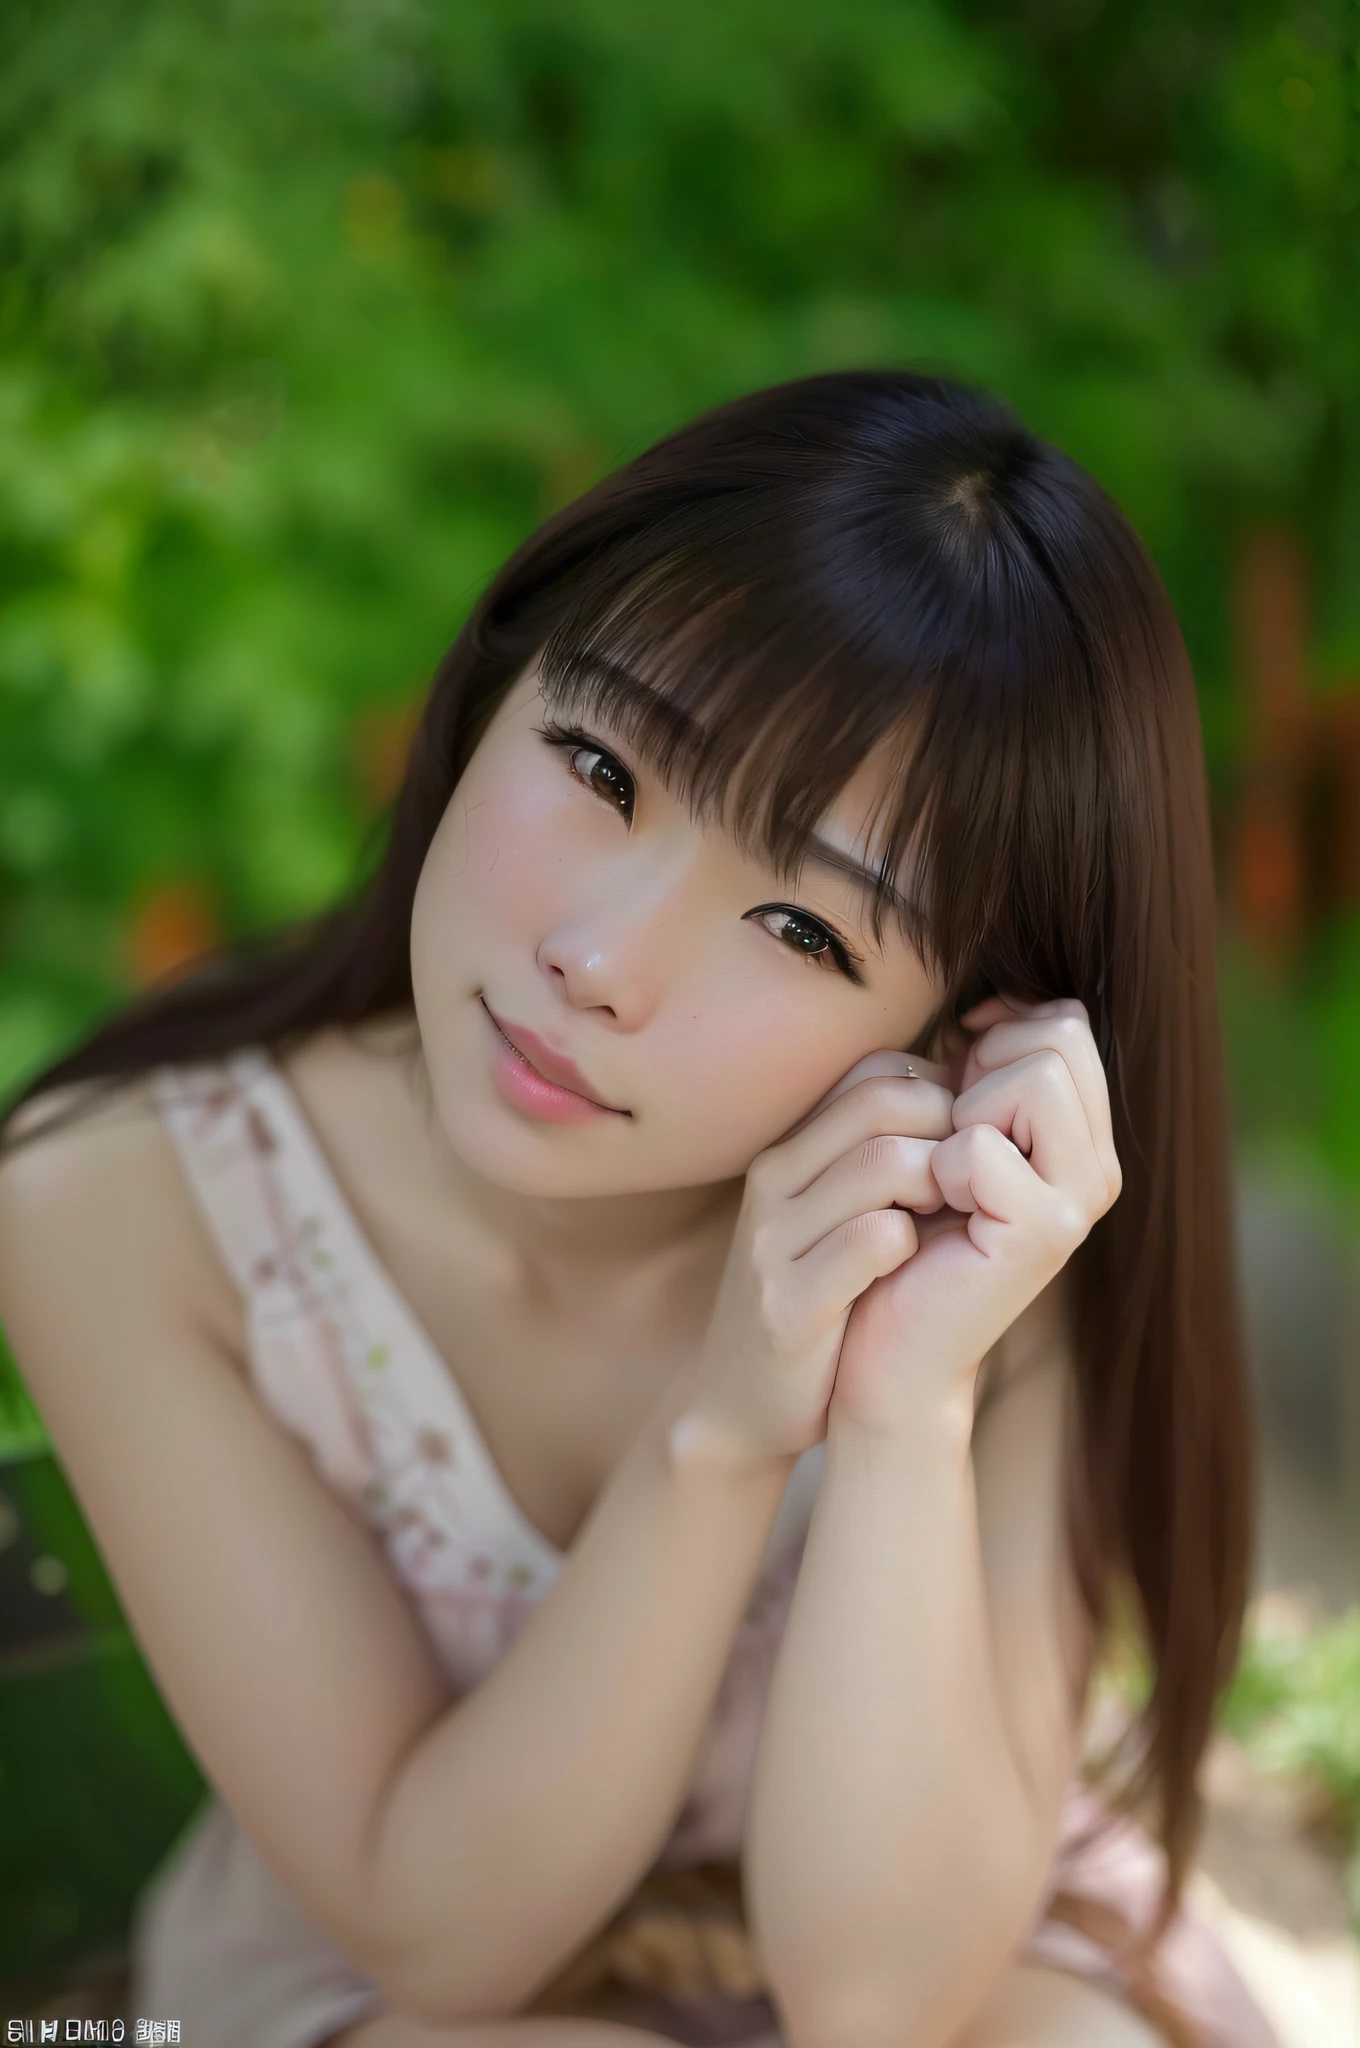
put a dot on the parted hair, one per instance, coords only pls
(758, 600)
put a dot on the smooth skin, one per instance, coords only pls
(592, 1286)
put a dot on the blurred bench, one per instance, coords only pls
(95, 1781)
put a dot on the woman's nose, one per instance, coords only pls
(619, 955)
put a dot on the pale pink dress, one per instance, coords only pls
(339, 1359)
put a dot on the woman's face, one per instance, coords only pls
(567, 894)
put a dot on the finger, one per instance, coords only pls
(883, 1061)
(989, 1010)
(1064, 1019)
(983, 1174)
(1006, 1009)
(827, 1279)
(885, 1169)
(1063, 1027)
(982, 1171)
(915, 1108)
(1034, 1102)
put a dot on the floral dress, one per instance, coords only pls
(338, 1358)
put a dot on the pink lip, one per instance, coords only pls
(539, 1075)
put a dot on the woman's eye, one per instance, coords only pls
(606, 777)
(804, 934)
(590, 764)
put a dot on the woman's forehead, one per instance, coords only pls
(859, 819)
(853, 834)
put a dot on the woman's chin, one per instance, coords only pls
(515, 1171)
(527, 1159)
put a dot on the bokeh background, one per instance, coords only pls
(311, 309)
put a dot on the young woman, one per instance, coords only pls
(620, 1372)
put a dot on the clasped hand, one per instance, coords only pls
(890, 1239)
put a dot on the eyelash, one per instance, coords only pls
(569, 739)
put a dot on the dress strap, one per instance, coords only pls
(208, 1114)
(233, 1158)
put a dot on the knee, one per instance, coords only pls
(1042, 2008)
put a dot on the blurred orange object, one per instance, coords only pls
(169, 929)
(1271, 619)
(1294, 839)
(1269, 866)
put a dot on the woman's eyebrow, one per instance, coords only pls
(864, 879)
(627, 699)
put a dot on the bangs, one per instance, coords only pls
(750, 677)
(750, 712)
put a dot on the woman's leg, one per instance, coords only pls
(1035, 2007)
(1032, 2008)
(396, 2030)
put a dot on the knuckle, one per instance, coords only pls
(876, 1230)
(856, 1230)
(883, 1093)
(772, 1304)
(1070, 1222)
(901, 1235)
(764, 1243)
(885, 1151)
(1052, 1069)
(760, 1173)
(974, 1140)
(889, 1094)
(1071, 1035)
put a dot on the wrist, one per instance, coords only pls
(698, 1440)
(929, 1422)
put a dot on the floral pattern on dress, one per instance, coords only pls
(342, 1369)
(328, 1331)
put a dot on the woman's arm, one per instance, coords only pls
(459, 1852)
(921, 1728)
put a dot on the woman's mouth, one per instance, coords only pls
(526, 1087)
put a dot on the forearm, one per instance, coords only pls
(527, 1812)
(894, 1849)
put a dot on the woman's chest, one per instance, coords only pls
(555, 1397)
(556, 1360)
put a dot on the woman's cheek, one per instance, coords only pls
(515, 850)
(752, 1072)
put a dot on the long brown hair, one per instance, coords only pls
(761, 598)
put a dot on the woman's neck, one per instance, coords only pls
(555, 1250)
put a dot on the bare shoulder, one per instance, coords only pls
(61, 1145)
(93, 1190)
(96, 1183)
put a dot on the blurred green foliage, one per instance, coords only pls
(309, 310)
(1293, 1055)
(95, 1778)
(1293, 1704)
